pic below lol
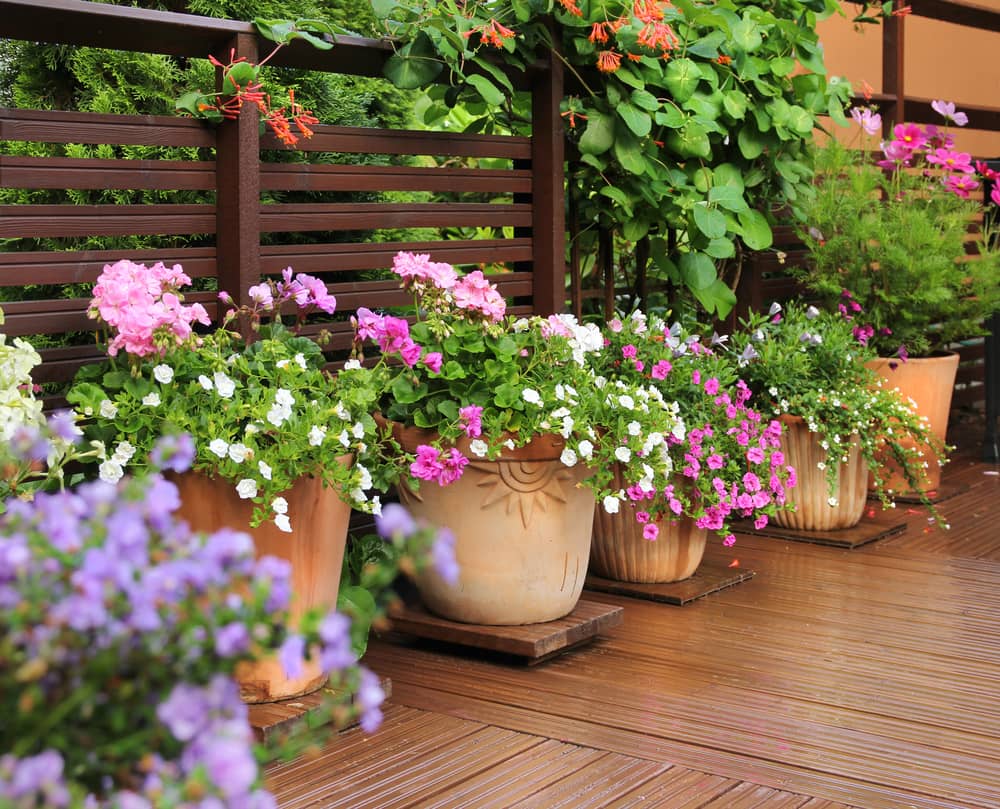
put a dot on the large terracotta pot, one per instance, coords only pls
(620, 552)
(810, 495)
(314, 548)
(929, 382)
(522, 527)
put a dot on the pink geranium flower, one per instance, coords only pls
(471, 420)
(474, 292)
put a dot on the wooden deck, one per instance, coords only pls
(833, 678)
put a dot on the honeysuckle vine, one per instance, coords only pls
(688, 122)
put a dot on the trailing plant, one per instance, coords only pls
(689, 122)
(725, 460)
(800, 361)
(890, 241)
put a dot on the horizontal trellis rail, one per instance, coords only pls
(215, 230)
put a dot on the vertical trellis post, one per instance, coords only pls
(547, 189)
(892, 72)
(237, 200)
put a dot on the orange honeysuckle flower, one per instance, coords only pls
(902, 11)
(598, 32)
(571, 7)
(724, 60)
(621, 22)
(648, 11)
(609, 61)
(633, 57)
(657, 36)
(866, 90)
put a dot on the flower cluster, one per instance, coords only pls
(804, 362)
(18, 406)
(890, 239)
(262, 414)
(725, 457)
(143, 305)
(486, 382)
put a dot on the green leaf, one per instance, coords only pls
(86, 395)
(639, 122)
(626, 75)
(452, 370)
(717, 298)
(506, 396)
(681, 78)
(413, 65)
(728, 174)
(690, 141)
(782, 66)
(800, 121)
(707, 46)
(746, 35)
(750, 142)
(709, 221)
(619, 196)
(670, 116)
(486, 89)
(115, 380)
(645, 99)
(721, 248)
(384, 8)
(599, 135)
(755, 230)
(735, 103)
(359, 604)
(635, 229)
(628, 152)
(697, 270)
(729, 197)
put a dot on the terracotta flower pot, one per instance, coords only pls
(620, 552)
(929, 382)
(810, 497)
(522, 527)
(314, 548)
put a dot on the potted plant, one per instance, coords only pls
(282, 448)
(506, 434)
(807, 368)
(724, 456)
(122, 631)
(888, 244)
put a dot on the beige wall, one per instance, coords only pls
(945, 61)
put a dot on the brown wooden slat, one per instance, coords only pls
(62, 126)
(79, 267)
(40, 221)
(348, 256)
(409, 142)
(306, 177)
(368, 216)
(973, 15)
(67, 172)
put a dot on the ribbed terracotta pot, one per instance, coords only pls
(810, 497)
(929, 382)
(522, 527)
(314, 548)
(621, 553)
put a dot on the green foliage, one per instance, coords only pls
(809, 363)
(732, 110)
(896, 241)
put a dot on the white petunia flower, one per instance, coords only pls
(219, 447)
(239, 452)
(110, 471)
(264, 469)
(151, 399)
(278, 414)
(282, 522)
(279, 505)
(623, 454)
(344, 438)
(626, 401)
(509, 443)
(358, 430)
(634, 428)
(478, 447)
(586, 449)
(300, 360)
(531, 396)
(341, 412)
(108, 409)
(833, 502)
(282, 363)
(252, 429)
(376, 506)
(611, 504)
(567, 426)
(316, 435)
(123, 452)
(247, 488)
(284, 397)
(163, 374)
(568, 457)
(205, 382)
(225, 386)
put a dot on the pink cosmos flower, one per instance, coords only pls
(896, 153)
(951, 160)
(986, 172)
(869, 120)
(476, 293)
(911, 135)
(961, 185)
(995, 194)
(471, 420)
(946, 109)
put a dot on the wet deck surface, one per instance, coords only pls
(866, 677)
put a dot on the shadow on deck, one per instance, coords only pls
(864, 678)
